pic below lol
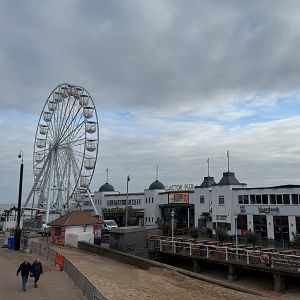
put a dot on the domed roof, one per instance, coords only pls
(208, 182)
(106, 187)
(156, 185)
(228, 179)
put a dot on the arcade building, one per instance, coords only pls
(272, 212)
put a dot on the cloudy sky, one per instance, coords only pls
(174, 82)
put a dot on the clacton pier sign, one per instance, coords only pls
(180, 187)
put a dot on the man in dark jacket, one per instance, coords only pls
(37, 271)
(24, 268)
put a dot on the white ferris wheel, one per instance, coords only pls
(65, 150)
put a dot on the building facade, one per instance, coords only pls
(272, 212)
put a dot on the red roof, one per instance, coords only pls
(76, 218)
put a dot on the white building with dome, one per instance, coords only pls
(273, 212)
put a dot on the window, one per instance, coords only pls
(252, 199)
(201, 199)
(57, 231)
(139, 202)
(258, 199)
(295, 199)
(152, 199)
(221, 200)
(246, 199)
(272, 199)
(240, 199)
(146, 200)
(152, 219)
(265, 199)
(123, 202)
(286, 199)
(279, 199)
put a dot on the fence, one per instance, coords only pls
(89, 291)
(284, 262)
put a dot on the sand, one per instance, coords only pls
(117, 280)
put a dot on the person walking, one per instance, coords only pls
(25, 269)
(37, 271)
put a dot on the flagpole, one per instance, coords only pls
(228, 159)
(208, 167)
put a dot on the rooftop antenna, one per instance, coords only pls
(208, 167)
(156, 171)
(106, 175)
(228, 159)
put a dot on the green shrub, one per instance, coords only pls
(194, 232)
(164, 226)
(222, 235)
(252, 238)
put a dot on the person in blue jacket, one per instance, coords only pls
(25, 269)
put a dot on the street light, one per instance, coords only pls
(18, 230)
(236, 237)
(126, 216)
(172, 224)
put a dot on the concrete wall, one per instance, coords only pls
(128, 239)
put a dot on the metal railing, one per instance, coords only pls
(229, 254)
(87, 288)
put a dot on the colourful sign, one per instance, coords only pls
(179, 198)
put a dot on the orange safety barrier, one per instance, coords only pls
(59, 260)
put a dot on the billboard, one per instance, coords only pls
(179, 198)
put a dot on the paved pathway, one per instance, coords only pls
(54, 284)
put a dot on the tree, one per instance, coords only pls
(206, 216)
(194, 232)
(164, 226)
(252, 238)
(222, 235)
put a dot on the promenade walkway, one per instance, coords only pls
(54, 284)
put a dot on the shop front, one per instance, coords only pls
(281, 228)
(273, 222)
(184, 212)
(260, 226)
(242, 227)
(119, 214)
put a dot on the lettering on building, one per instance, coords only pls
(268, 210)
(180, 187)
(221, 217)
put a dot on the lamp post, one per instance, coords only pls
(236, 237)
(172, 225)
(126, 216)
(18, 230)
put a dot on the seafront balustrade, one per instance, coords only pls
(286, 260)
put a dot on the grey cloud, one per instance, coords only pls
(169, 53)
